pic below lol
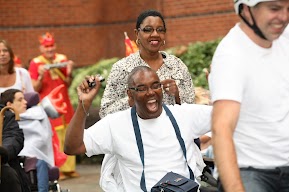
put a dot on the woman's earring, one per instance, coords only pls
(164, 42)
(138, 41)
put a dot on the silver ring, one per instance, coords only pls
(167, 89)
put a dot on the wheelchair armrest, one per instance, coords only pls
(30, 164)
(209, 161)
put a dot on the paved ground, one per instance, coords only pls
(88, 182)
(89, 168)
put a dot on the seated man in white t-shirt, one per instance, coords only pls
(114, 134)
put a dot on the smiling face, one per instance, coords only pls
(48, 51)
(146, 93)
(151, 34)
(271, 17)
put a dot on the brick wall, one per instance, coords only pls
(89, 30)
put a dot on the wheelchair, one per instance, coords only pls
(207, 175)
(29, 166)
(208, 178)
(29, 163)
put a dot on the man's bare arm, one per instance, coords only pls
(225, 117)
(74, 135)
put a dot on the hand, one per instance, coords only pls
(86, 93)
(41, 71)
(170, 87)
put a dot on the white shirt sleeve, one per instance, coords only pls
(225, 80)
(97, 138)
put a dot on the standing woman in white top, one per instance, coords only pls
(10, 76)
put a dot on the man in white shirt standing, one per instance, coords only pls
(249, 84)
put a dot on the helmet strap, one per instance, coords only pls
(254, 27)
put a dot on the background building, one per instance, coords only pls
(90, 30)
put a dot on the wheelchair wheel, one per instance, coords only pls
(54, 186)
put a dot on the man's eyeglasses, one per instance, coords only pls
(150, 30)
(143, 88)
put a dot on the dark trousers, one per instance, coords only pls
(9, 180)
(264, 180)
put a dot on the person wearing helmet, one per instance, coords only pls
(250, 128)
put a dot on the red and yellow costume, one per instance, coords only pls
(52, 78)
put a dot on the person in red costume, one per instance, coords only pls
(47, 71)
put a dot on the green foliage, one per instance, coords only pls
(102, 67)
(198, 58)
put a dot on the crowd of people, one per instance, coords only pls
(147, 95)
(48, 147)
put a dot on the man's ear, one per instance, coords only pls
(128, 92)
(246, 13)
(130, 98)
(9, 104)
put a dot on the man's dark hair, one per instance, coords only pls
(130, 79)
(8, 96)
(146, 14)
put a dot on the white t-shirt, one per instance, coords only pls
(114, 134)
(258, 78)
(23, 81)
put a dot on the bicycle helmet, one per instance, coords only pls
(250, 3)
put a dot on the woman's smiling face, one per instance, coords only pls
(151, 34)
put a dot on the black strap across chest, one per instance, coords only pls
(140, 143)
